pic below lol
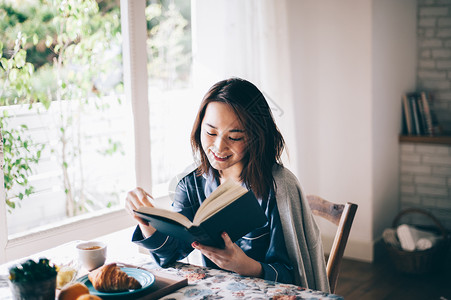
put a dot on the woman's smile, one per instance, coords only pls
(223, 139)
(220, 157)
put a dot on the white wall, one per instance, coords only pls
(348, 108)
(394, 73)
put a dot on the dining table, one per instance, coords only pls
(181, 280)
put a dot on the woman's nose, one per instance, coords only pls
(220, 143)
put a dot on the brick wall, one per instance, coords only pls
(426, 179)
(425, 172)
(434, 55)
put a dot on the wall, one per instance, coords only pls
(426, 168)
(347, 75)
(426, 180)
(394, 68)
(434, 55)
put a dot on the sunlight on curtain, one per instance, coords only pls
(248, 39)
(191, 48)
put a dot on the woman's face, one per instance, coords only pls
(223, 139)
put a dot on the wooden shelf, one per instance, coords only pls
(444, 140)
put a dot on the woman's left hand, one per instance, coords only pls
(231, 258)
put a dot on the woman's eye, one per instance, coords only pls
(211, 133)
(236, 139)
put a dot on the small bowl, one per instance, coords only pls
(91, 254)
(67, 273)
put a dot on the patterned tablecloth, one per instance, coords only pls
(206, 283)
(203, 283)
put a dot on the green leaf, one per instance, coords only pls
(30, 68)
(20, 58)
(4, 63)
(29, 191)
(23, 39)
(48, 41)
(11, 203)
(35, 39)
(13, 74)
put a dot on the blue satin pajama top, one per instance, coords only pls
(265, 244)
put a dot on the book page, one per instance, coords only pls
(225, 194)
(177, 217)
(221, 189)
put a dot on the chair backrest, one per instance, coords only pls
(341, 215)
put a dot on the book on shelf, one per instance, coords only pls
(230, 208)
(417, 115)
(421, 115)
(407, 116)
(427, 114)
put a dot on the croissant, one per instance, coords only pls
(110, 278)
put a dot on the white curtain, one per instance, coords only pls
(247, 39)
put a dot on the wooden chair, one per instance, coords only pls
(341, 215)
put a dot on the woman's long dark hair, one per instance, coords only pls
(264, 142)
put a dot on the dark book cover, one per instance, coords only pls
(237, 219)
(404, 130)
(421, 115)
(407, 115)
(427, 114)
(415, 116)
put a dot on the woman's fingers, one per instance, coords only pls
(135, 199)
(148, 195)
(138, 197)
(227, 241)
(141, 221)
(221, 257)
(144, 197)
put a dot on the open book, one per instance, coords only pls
(230, 208)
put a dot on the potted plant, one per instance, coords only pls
(33, 280)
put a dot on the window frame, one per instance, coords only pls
(133, 24)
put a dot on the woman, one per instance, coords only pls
(235, 137)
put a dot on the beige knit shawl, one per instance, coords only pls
(301, 233)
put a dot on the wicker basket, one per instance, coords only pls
(420, 262)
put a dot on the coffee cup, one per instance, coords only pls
(92, 254)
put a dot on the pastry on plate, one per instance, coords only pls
(110, 278)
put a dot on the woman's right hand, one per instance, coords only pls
(135, 199)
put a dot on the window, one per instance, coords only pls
(129, 122)
(82, 140)
(66, 125)
(172, 98)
